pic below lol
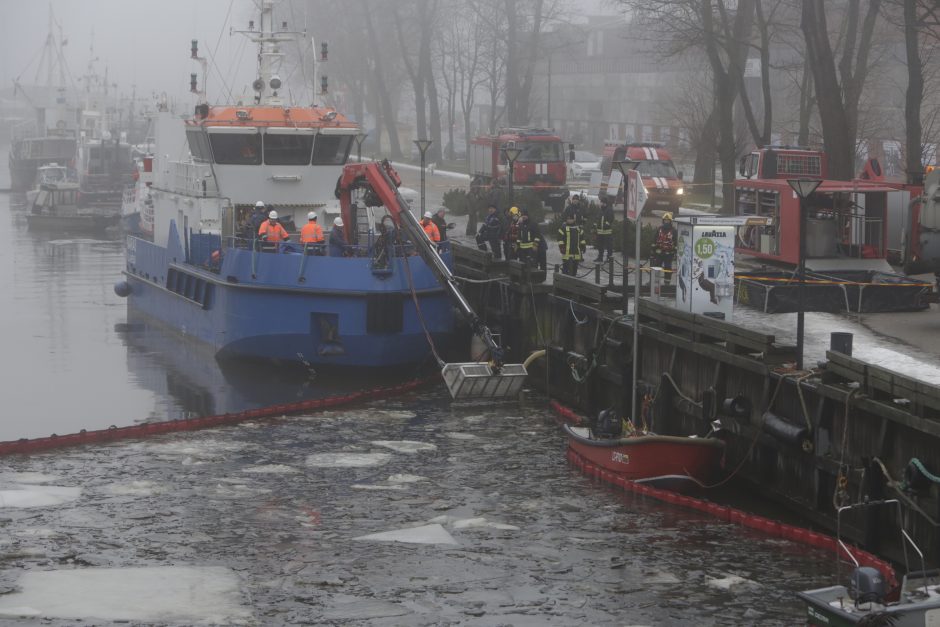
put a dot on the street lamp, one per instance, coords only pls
(360, 137)
(511, 155)
(423, 145)
(804, 188)
(625, 167)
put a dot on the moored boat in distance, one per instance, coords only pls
(206, 274)
(54, 207)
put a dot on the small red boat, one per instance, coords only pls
(678, 463)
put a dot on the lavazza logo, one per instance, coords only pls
(714, 234)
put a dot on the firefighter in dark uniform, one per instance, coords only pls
(530, 240)
(664, 247)
(605, 230)
(490, 232)
(574, 208)
(571, 243)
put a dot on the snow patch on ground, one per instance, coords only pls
(347, 460)
(173, 594)
(425, 534)
(405, 446)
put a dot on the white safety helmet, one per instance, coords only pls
(312, 215)
(273, 215)
(259, 205)
(338, 221)
(427, 214)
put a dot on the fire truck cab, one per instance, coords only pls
(846, 221)
(541, 165)
(663, 183)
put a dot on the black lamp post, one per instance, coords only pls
(625, 167)
(423, 145)
(360, 137)
(804, 188)
(511, 155)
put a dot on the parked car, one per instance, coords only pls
(584, 165)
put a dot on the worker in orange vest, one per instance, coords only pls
(272, 231)
(311, 235)
(430, 228)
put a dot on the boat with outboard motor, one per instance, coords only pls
(870, 598)
(205, 272)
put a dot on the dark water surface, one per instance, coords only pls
(282, 504)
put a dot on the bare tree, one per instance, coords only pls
(382, 97)
(838, 94)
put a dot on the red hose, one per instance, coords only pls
(113, 434)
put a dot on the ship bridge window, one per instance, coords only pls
(288, 146)
(235, 146)
(198, 145)
(331, 149)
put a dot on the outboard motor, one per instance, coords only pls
(607, 424)
(867, 585)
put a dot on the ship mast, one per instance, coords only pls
(270, 54)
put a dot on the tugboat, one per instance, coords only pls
(207, 273)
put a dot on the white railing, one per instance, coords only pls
(192, 179)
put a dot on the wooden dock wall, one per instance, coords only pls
(811, 441)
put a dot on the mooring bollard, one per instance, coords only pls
(841, 342)
(610, 271)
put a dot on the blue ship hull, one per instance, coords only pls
(290, 307)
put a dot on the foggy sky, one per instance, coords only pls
(144, 42)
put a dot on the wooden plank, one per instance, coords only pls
(565, 285)
(749, 364)
(882, 410)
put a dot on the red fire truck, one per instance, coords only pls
(541, 165)
(847, 221)
(663, 183)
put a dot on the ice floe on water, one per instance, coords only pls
(347, 460)
(405, 446)
(727, 582)
(394, 482)
(456, 435)
(134, 488)
(27, 477)
(168, 594)
(271, 469)
(20, 496)
(405, 478)
(379, 415)
(425, 534)
(473, 522)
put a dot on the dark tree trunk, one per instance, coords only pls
(806, 103)
(915, 94)
(726, 82)
(704, 176)
(388, 113)
(837, 100)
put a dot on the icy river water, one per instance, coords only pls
(408, 511)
